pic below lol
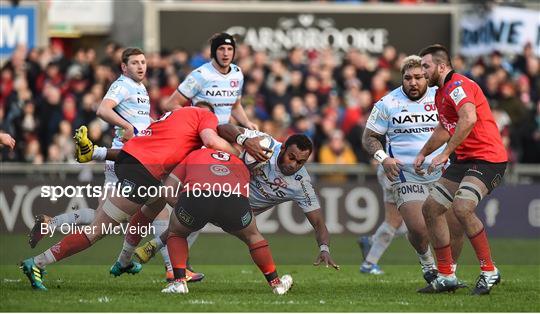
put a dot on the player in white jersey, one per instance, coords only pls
(374, 246)
(406, 116)
(218, 82)
(282, 178)
(126, 106)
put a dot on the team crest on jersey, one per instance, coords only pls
(235, 83)
(220, 170)
(190, 82)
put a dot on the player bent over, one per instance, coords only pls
(215, 189)
(281, 179)
(142, 163)
(469, 131)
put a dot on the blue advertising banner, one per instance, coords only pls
(18, 25)
(512, 211)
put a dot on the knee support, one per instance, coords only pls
(469, 191)
(441, 195)
(114, 212)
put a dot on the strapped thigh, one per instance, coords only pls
(441, 195)
(469, 191)
(114, 212)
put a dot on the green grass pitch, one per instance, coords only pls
(232, 283)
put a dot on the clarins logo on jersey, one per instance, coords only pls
(310, 32)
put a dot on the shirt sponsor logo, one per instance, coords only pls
(414, 130)
(235, 83)
(415, 118)
(220, 170)
(222, 93)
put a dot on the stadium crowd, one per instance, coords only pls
(45, 95)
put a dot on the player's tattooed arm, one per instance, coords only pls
(372, 141)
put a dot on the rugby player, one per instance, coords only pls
(215, 189)
(127, 107)
(467, 127)
(218, 82)
(282, 178)
(373, 247)
(407, 117)
(143, 162)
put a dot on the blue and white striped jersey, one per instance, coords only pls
(133, 104)
(407, 125)
(269, 187)
(206, 83)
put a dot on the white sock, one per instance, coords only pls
(99, 153)
(160, 226)
(401, 230)
(125, 255)
(44, 259)
(192, 238)
(82, 216)
(426, 260)
(165, 254)
(454, 268)
(381, 240)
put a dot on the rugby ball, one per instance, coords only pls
(251, 162)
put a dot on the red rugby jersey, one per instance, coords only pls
(484, 142)
(166, 142)
(211, 170)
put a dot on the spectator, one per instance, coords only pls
(337, 152)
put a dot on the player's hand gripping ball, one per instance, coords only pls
(251, 162)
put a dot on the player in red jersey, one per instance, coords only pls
(141, 164)
(468, 128)
(215, 189)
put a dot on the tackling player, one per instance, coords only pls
(470, 132)
(218, 82)
(215, 189)
(283, 178)
(126, 106)
(142, 163)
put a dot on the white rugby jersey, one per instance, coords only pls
(206, 83)
(407, 125)
(269, 187)
(133, 105)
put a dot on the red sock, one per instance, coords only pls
(483, 253)
(262, 256)
(444, 260)
(139, 219)
(69, 245)
(178, 253)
